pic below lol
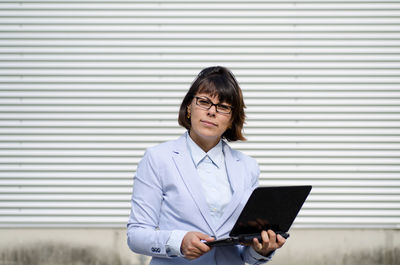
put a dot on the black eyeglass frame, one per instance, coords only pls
(212, 104)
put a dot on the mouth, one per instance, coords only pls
(209, 123)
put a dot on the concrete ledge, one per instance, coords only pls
(58, 246)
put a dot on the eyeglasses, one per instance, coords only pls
(205, 103)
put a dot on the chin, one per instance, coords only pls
(208, 132)
(212, 136)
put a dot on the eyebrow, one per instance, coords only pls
(219, 103)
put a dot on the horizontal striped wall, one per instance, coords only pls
(85, 87)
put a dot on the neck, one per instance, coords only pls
(205, 144)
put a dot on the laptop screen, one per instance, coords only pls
(270, 208)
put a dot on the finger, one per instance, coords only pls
(265, 238)
(272, 236)
(280, 240)
(256, 244)
(205, 237)
(202, 248)
(210, 239)
(200, 245)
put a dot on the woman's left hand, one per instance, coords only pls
(270, 242)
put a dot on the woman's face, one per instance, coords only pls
(207, 126)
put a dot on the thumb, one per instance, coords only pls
(202, 236)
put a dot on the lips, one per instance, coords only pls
(209, 123)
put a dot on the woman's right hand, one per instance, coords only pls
(192, 246)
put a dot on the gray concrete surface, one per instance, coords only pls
(57, 246)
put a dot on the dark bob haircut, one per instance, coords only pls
(217, 81)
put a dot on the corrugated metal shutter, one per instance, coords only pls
(85, 87)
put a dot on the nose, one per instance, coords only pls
(212, 111)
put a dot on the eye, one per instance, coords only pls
(204, 102)
(224, 107)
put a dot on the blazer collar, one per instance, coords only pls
(190, 177)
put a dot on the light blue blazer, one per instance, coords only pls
(167, 195)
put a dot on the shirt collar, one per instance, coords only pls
(215, 154)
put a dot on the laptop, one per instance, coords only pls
(272, 208)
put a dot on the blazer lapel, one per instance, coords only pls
(190, 177)
(236, 177)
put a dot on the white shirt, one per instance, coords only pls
(213, 177)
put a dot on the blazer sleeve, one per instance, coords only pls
(143, 233)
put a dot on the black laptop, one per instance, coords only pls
(272, 208)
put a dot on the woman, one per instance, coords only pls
(191, 190)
